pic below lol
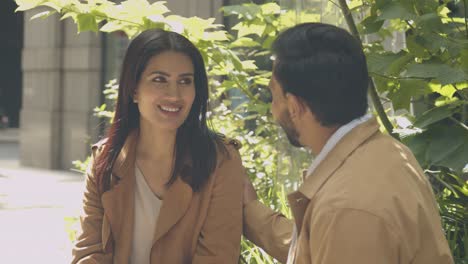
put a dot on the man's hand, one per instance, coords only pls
(249, 191)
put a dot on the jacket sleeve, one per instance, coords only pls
(341, 235)
(89, 247)
(219, 240)
(268, 229)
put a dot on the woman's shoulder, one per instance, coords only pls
(229, 142)
(227, 149)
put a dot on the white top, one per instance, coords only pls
(331, 143)
(334, 139)
(147, 206)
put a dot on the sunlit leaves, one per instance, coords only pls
(435, 114)
(254, 28)
(44, 14)
(24, 5)
(86, 22)
(370, 25)
(394, 10)
(405, 91)
(246, 11)
(442, 72)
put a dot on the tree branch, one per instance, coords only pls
(372, 89)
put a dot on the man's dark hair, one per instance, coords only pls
(325, 66)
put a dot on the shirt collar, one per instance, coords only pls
(334, 139)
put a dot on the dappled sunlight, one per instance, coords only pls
(33, 207)
(34, 236)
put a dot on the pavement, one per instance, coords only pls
(38, 210)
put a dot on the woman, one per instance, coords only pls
(162, 187)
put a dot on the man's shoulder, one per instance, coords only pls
(381, 177)
(379, 157)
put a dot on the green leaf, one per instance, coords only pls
(436, 42)
(176, 23)
(136, 7)
(43, 15)
(244, 29)
(355, 4)
(418, 144)
(408, 89)
(434, 115)
(442, 72)
(446, 143)
(429, 22)
(24, 5)
(159, 7)
(196, 27)
(395, 10)
(464, 60)
(235, 60)
(151, 22)
(268, 42)
(247, 11)
(414, 46)
(112, 26)
(444, 90)
(249, 65)
(424, 6)
(385, 84)
(388, 63)
(457, 160)
(262, 81)
(86, 22)
(399, 64)
(370, 25)
(215, 36)
(378, 63)
(244, 42)
(270, 8)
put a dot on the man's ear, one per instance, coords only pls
(296, 106)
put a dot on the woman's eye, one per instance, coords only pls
(186, 81)
(159, 79)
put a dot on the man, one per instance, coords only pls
(364, 199)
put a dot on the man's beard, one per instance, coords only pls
(288, 127)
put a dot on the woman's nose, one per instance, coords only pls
(174, 91)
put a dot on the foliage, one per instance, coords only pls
(430, 75)
(423, 84)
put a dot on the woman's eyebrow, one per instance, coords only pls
(169, 75)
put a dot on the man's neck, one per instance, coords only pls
(316, 141)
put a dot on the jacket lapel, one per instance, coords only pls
(118, 202)
(300, 199)
(176, 202)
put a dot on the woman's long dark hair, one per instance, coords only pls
(194, 139)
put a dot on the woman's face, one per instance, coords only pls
(166, 90)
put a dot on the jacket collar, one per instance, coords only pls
(119, 201)
(313, 183)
